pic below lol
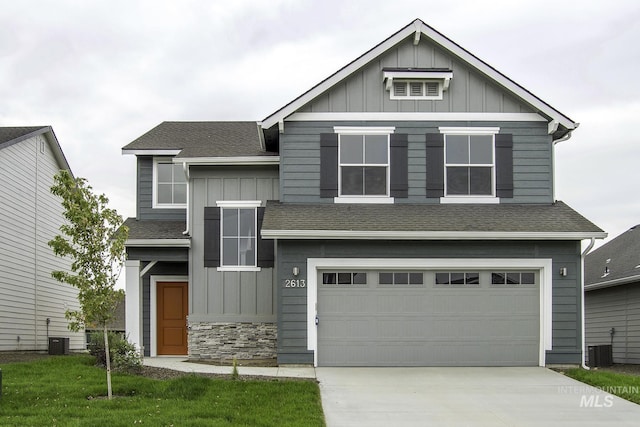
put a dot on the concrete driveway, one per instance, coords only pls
(466, 397)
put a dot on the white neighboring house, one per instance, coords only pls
(32, 303)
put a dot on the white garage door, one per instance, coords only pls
(428, 318)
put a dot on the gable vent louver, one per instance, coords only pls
(432, 88)
(415, 88)
(400, 88)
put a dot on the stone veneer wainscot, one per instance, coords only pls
(214, 340)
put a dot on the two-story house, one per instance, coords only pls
(399, 213)
(32, 303)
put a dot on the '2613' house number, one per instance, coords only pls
(295, 283)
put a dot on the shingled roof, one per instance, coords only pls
(615, 263)
(203, 139)
(143, 230)
(424, 221)
(11, 134)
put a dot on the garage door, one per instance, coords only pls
(428, 318)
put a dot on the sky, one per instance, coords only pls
(102, 73)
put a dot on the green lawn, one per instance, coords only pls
(61, 391)
(622, 385)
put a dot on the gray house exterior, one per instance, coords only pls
(612, 296)
(32, 303)
(399, 213)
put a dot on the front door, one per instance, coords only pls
(172, 299)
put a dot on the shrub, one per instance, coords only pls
(124, 356)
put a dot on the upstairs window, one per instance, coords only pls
(169, 184)
(364, 165)
(238, 237)
(469, 164)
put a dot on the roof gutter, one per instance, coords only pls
(582, 256)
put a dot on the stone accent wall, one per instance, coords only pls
(215, 340)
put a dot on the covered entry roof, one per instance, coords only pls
(426, 222)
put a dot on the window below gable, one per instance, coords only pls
(469, 165)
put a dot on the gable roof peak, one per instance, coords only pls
(419, 28)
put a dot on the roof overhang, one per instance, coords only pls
(611, 283)
(235, 161)
(158, 243)
(158, 152)
(414, 30)
(425, 235)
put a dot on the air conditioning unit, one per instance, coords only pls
(58, 346)
(600, 355)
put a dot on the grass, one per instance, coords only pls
(62, 391)
(622, 385)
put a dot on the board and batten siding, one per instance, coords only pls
(31, 216)
(292, 310)
(364, 90)
(300, 159)
(228, 296)
(144, 194)
(615, 307)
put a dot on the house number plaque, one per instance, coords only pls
(295, 283)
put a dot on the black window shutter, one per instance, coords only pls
(435, 165)
(211, 237)
(328, 165)
(265, 246)
(399, 155)
(504, 165)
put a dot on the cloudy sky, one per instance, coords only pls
(104, 72)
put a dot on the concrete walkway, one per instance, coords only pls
(181, 364)
(466, 397)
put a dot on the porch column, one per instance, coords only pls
(133, 313)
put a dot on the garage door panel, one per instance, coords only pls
(428, 325)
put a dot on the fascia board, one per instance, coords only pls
(338, 76)
(611, 283)
(438, 38)
(413, 116)
(159, 243)
(154, 152)
(427, 235)
(248, 160)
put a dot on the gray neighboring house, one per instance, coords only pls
(612, 296)
(33, 304)
(399, 213)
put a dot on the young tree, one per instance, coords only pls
(93, 237)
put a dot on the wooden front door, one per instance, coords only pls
(172, 318)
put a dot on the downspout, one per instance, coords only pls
(553, 126)
(582, 317)
(185, 169)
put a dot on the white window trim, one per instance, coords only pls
(239, 204)
(543, 265)
(154, 190)
(365, 130)
(474, 199)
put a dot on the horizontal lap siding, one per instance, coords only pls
(31, 216)
(300, 159)
(615, 307)
(229, 296)
(292, 340)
